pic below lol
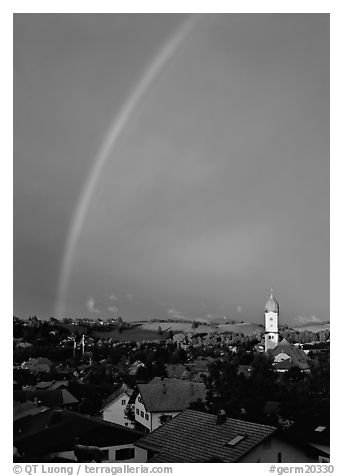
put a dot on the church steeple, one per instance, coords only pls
(271, 318)
(271, 305)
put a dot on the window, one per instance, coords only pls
(139, 399)
(123, 402)
(142, 414)
(279, 457)
(165, 418)
(137, 411)
(237, 439)
(105, 454)
(125, 453)
(147, 416)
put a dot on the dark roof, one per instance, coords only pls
(30, 425)
(297, 355)
(84, 390)
(25, 409)
(171, 395)
(195, 437)
(64, 426)
(51, 398)
(43, 385)
(316, 434)
(175, 371)
(115, 395)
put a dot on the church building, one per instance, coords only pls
(284, 354)
(271, 323)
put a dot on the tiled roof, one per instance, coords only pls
(65, 426)
(297, 355)
(22, 410)
(43, 385)
(121, 390)
(171, 395)
(316, 432)
(195, 437)
(50, 398)
(30, 424)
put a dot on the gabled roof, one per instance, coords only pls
(171, 395)
(314, 436)
(25, 409)
(30, 423)
(297, 355)
(115, 395)
(65, 426)
(50, 398)
(52, 385)
(195, 437)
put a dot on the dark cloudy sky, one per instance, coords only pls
(171, 165)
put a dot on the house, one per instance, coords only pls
(287, 355)
(314, 437)
(163, 399)
(28, 418)
(114, 406)
(186, 372)
(57, 440)
(61, 398)
(135, 367)
(196, 437)
(52, 385)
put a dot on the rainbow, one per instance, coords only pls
(116, 128)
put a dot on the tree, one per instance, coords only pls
(223, 388)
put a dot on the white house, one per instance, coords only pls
(163, 399)
(114, 406)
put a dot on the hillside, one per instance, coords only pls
(137, 334)
(185, 327)
(314, 327)
(245, 328)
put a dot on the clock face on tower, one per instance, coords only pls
(271, 322)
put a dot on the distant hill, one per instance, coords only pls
(185, 327)
(136, 333)
(313, 326)
(245, 328)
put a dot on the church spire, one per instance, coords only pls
(272, 304)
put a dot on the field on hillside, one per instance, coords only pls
(185, 327)
(74, 328)
(137, 334)
(320, 326)
(245, 328)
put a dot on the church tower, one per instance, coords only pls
(271, 324)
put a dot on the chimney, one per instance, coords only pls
(221, 417)
(164, 388)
